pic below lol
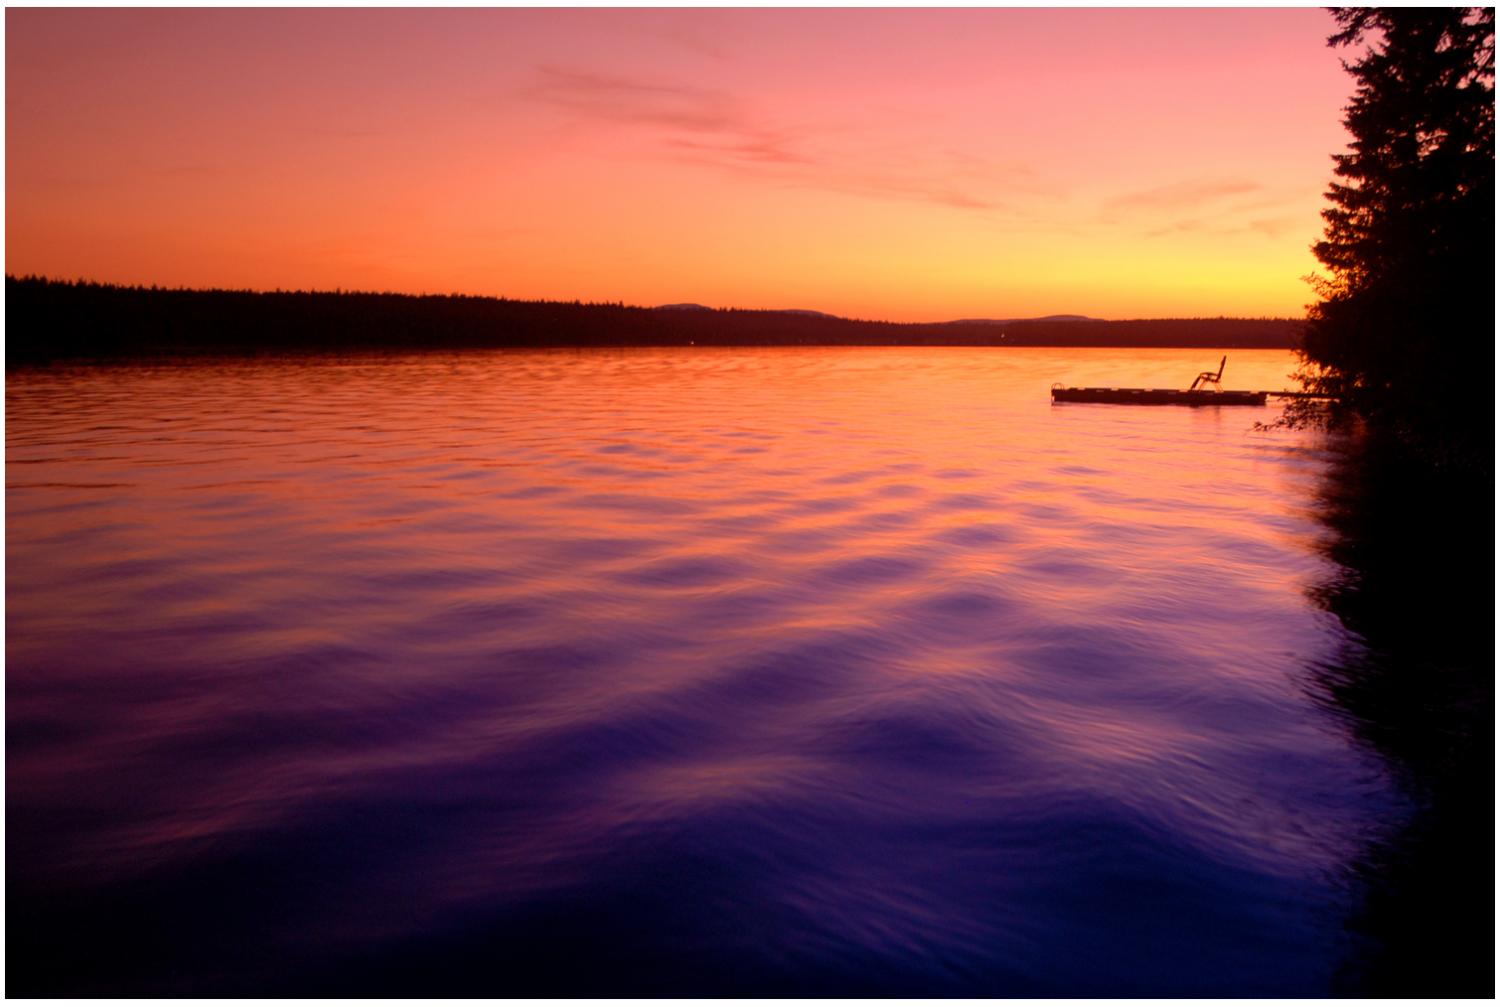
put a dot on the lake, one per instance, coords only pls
(675, 672)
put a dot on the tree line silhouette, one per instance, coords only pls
(51, 320)
(1407, 311)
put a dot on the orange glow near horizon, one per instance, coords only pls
(901, 164)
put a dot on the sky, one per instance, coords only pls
(913, 165)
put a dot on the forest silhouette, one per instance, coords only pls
(49, 320)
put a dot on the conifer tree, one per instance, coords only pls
(1403, 333)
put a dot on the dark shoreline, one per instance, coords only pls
(49, 321)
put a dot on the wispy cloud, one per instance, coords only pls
(1183, 195)
(1276, 227)
(764, 149)
(1184, 226)
(703, 35)
(714, 129)
(621, 99)
(1222, 207)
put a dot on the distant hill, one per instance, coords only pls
(49, 320)
(804, 311)
(689, 306)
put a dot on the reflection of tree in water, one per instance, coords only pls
(1416, 587)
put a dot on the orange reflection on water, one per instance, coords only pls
(492, 618)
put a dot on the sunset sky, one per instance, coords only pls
(910, 165)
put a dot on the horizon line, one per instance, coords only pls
(675, 305)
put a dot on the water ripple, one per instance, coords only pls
(761, 672)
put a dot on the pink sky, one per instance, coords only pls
(913, 165)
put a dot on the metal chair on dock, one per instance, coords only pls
(1210, 377)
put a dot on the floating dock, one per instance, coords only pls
(1198, 394)
(1158, 396)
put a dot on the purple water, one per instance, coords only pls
(719, 672)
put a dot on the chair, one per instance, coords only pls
(1210, 377)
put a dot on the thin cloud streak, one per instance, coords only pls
(727, 138)
(1181, 195)
(1215, 207)
(619, 99)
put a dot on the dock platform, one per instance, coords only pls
(1159, 396)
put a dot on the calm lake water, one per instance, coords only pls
(823, 671)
